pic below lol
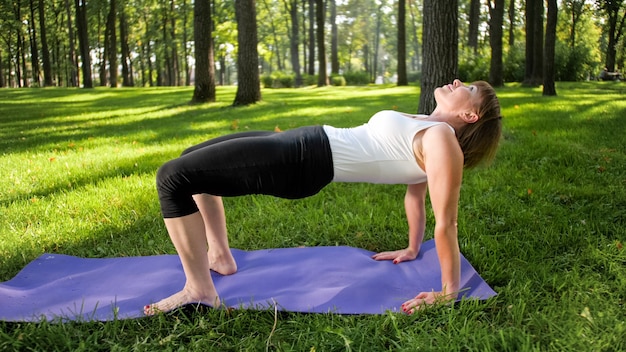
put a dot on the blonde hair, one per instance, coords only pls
(479, 140)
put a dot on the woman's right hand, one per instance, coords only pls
(399, 256)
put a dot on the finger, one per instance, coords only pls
(400, 259)
(383, 256)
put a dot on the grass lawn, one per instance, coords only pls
(544, 225)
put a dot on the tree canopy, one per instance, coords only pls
(152, 42)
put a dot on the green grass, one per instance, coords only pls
(544, 225)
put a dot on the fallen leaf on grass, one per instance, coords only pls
(587, 314)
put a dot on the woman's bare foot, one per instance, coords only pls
(180, 299)
(223, 263)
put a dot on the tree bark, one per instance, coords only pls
(533, 75)
(112, 40)
(204, 90)
(311, 68)
(440, 53)
(512, 24)
(73, 74)
(292, 8)
(496, 20)
(45, 51)
(322, 78)
(249, 84)
(402, 74)
(83, 42)
(34, 47)
(474, 19)
(125, 50)
(334, 54)
(615, 30)
(549, 87)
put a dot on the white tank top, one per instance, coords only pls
(380, 151)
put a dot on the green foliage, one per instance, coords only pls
(279, 79)
(574, 64)
(337, 80)
(514, 64)
(544, 225)
(356, 78)
(473, 67)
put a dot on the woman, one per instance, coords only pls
(424, 152)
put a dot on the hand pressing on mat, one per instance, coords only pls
(399, 256)
(421, 151)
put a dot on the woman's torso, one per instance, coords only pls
(380, 151)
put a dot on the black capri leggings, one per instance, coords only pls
(292, 164)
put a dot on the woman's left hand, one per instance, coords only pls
(398, 256)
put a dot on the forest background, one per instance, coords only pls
(151, 42)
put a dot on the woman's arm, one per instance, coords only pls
(443, 161)
(416, 217)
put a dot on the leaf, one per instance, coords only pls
(587, 314)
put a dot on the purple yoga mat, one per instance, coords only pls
(343, 280)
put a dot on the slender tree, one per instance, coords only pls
(83, 42)
(73, 66)
(292, 7)
(311, 63)
(204, 90)
(127, 74)
(496, 20)
(615, 28)
(533, 75)
(550, 43)
(111, 38)
(402, 74)
(322, 78)
(474, 21)
(34, 46)
(512, 24)
(249, 84)
(440, 54)
(334, 51)
(45, 51)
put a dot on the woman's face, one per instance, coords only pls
(457, 97)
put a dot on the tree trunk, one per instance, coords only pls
(20, 71)
(334, 54)
(104, 54)
(204, 90)
(322, 78)
(311, 69)
(549, 73)
(34, 47)
(496, 19)
(402, 74)
(73, 74)
(474, 19)
(533, 75)
(512, 24)
(83, 41)
(125, 50)
(615, 30)
(185, 46)
(2, 80)
(295, 41)
(537, 74)
(375, 59)
(249, 84)
(45, 52)
(112, 40)
(175, 64)
(440, 53)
